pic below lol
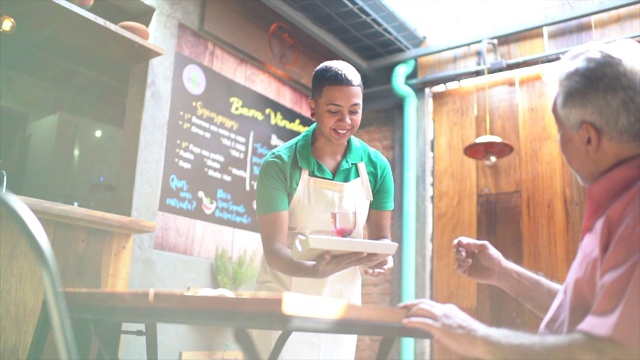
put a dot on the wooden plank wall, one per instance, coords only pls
(528, 205)
(243, 27)
(455, 197)
(519, 204)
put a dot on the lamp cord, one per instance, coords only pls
(486, 100)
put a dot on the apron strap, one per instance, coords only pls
(362, 169)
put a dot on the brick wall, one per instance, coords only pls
(377, 291)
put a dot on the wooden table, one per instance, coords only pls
(288, 312)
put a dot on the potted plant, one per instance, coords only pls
(232, 273)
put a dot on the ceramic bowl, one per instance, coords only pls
(135, 28)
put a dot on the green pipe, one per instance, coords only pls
(409, 151)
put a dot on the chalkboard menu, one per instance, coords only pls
(218, 134)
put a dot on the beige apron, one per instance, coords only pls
(308, 213)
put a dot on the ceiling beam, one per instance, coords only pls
(372, 66)
(561, 18)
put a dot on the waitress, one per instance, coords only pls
(295, 186)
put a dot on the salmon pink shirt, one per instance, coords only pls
(601, 295)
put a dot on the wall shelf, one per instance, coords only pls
(64, 59)
(62, 31)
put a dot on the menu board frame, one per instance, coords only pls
(219, 131)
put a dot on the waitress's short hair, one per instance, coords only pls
(334, 73)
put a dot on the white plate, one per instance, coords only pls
(309, 248)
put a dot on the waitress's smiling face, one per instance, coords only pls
(338, 112)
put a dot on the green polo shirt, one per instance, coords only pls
(281, 169)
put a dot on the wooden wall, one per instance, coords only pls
(528, 205)
(245, 28)
(600, 27)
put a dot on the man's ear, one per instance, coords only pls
(591, 137)
(312, 108)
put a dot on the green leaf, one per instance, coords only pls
(234, 273)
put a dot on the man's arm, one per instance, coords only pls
(452, 327)
(480, 261)
(532, 290)
(508, 344)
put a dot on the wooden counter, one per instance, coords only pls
(93, 250)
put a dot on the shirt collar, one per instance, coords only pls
(607, 189)
(307, 161)
(303, 149)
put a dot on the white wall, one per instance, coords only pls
(152, 268)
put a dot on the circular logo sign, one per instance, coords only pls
(193, 79)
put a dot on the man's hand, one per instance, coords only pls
(447, 323)
(467, 336)
(478, 260)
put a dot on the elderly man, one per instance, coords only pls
(595, 314)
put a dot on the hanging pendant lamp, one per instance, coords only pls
(488, 148)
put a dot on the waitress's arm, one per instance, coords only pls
(379, 228)
(274, 229)
(379, 225)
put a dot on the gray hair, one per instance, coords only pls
(600, 84)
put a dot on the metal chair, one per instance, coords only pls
(39, 243)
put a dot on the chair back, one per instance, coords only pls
(41, 247)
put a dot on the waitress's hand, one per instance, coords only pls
(327, 264)
(380, 267)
